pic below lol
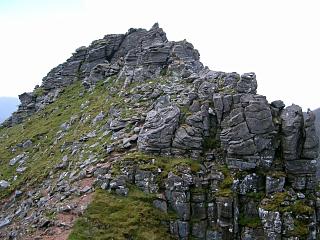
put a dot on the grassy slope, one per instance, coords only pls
(42, 129)
(114, 217)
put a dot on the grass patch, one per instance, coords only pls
(226, 184)
(301, 229)
(111, 216)
(300, 208)
(274, 203)
(38, 92)
(248, 221)
(153, 163)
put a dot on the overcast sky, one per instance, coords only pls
(279, 40)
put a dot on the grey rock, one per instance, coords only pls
(122, 191)
(161, 205)
(65, 126)
(4, 184)
(117, 124)
(98, 118)
(199, 229)
(198, 210)
(272, 224)
(85, 189)
(183, 228)
(247, 83)
(240, 164)
(278, 104)
(274, 184)
(157, 132)
(27, 144)
(21, 169)
(259, 118)
(16, 159)
(249, 184)
(213, 235)
(311, 143)
(301, 166)
(4, 222)
(292, 129)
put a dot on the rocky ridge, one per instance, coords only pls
(145, 113)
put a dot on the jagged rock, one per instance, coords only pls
(117, 124)
(161, 205)
(225, 211)
(146, 181)
(157, 132)
(190, 136)
(272, 224)
(4, 222)
(301, 166)
(102, 71)
(247, 83)
(250, 183)
(98, 118)
(19, 158)
(278, 104)
(274, 184)
(292, 124)
(199, 229)
(27, 144)
(21, 169)
(311, 144)
(258, 117)
(4, 184)
(183, 229)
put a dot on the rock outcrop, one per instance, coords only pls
(224, 161)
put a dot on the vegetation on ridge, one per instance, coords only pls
(111, 216)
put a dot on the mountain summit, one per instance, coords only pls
(133, 138)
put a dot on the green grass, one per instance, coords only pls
(274, 203)
(110, 216)
(300, 208)
(301, 229)
(248, 221)
(226, 184)
(153, 163)
(43, 126)
(38, 92)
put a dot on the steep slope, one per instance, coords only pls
(7, 106)
(133, 138)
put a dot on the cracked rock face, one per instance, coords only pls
(157, 132)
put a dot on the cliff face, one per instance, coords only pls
(194, 153)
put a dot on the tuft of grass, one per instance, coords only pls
(211, 143)
(38, 92)
(300, 208)
(249, 221)
(110, 216)
(256, 195)
(226, 184)
(153, 163)
(301, 229)
(274, 203)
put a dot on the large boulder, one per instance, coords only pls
(292, 132)
(311, 143)
(157, 133)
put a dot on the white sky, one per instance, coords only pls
(279, 40)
